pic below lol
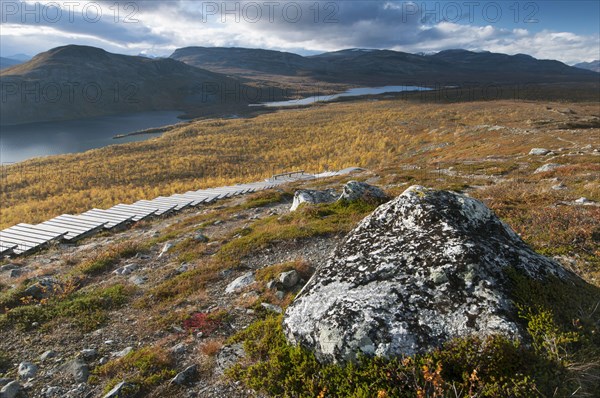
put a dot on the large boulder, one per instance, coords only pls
(313, 197)
(355, 190)
(423, 268)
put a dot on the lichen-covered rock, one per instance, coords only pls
(355, 190)
(313, 197)
(423, 268)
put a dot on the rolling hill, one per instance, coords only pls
(364, 67)
(78, 81)
(593, 66)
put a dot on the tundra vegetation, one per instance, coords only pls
(478, 148)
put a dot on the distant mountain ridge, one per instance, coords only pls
(593, 66)
(369, 66)
(73, 82)
(8, 62)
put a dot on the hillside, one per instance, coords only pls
(8, 62)
(593, 66)
(176, 295)
(77, 81)
(364, 67)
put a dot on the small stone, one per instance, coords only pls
(52, 391)
(185, 376)
(289, 279)
(77, 369)
(165, 249)
(138, 280)
(201, 238)
(123, 352)
(228, 356)
(88, 353)
(280, 295)
(119, 389)
(539, 151)
(47, 355)
(182, 268)
(15, 273)
(272, 307)
(547, 167)
(109, 342)
(27, 370)
(8, 267)
(179, 349)
(559, 187)
(103, 360)
(10, 390)
(272, 284)
(239, 283)
(583, 201)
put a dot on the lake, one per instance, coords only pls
(26, 141)
(354, 92)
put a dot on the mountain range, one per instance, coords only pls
(73, 82)
(593, 66)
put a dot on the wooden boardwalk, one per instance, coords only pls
(23, 239)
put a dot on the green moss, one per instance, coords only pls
(105, 260)
(491, 367)
(144, 369)
(87, 310)
(307, 221)
(266, 198)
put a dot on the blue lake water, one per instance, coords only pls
(354, 92)
(26, 141)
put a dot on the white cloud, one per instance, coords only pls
(164, 26)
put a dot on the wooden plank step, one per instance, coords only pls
(33, 234)
(73, 233)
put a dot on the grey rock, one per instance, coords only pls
(4, 381)
(8, 267)
(289, 278)
(420, 270)
(88, 353)
(120, 390)
(165, 249)
(355, 190)
(201, 238)
(539, 151)
(186, 376)
(228, 356)
(559, 187)
(27, 370)
(272, 307)
(123, 352)
(313, 197)
(47, 355)
(280, 295)
(272, 284)
(583, 201)
(52, 391)
(138, 280)
(10, 390)
(179, 349)
(547, 167)
(15, 273)
(239, 283)
(77, 369)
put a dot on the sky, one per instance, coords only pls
(568, 31)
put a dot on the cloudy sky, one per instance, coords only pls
(565, 30)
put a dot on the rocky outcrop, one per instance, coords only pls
(352, 191)
(423, 268)
(313, 197)
(355, 190)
